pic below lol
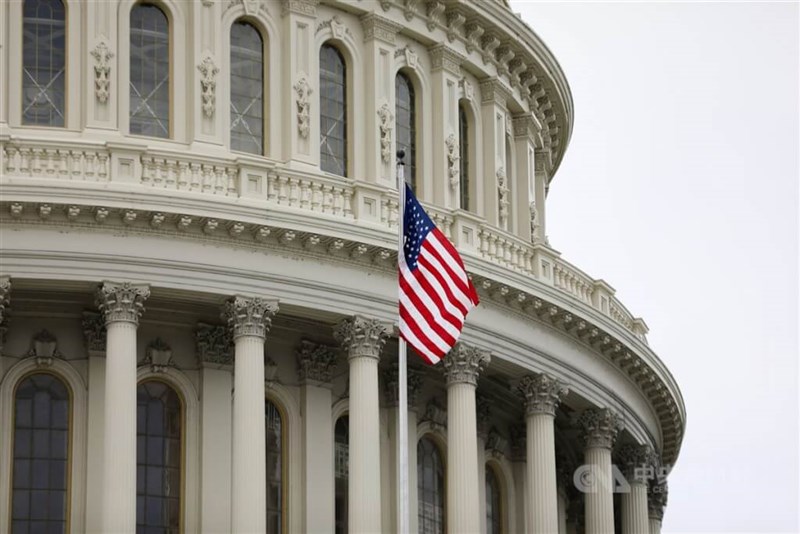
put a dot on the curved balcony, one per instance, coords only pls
(253, 201)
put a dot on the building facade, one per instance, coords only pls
(198, 286)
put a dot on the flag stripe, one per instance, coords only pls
(423, 300)
(435, 293)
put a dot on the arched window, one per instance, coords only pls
(247, 89)
(333, 111)
(463, 147)
(41, 466)
(274, 469)
(149, 72)
(406, 127)
(44, 65)
(342, 469)
(494, 499)
(430, 487)
(159, 449)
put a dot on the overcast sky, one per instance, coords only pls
(680, 188)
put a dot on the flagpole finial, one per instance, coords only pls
(401, 154)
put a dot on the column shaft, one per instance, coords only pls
(562, 514)
(543, 505)
(119, 440)
(215, 414)
(655, 525)
(249, 494)
(600, 499)
(364, 496)
(634, 509)
(463, 506)
(318, 461)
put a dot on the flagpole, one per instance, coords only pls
(402, 397)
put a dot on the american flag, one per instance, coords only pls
(435, 293)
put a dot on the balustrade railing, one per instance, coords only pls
(321, 195)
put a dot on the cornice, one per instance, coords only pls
(372, 250)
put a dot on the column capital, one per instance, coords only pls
(391, 386)
(599, 427)
(361, 337)
(315, 362)
(445, 58)
(483, 409)
(299, 7)
(214, 344)
(657, 501)
(5, 294)
(94, 333)
(464, 363)
(542, 393)
(377, 27)
(121, 302)
(518, 435)
(637, 462)
(249, 316)
(493, 91)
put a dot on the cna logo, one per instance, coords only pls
(592, 478)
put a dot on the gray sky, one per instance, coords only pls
(680, 189)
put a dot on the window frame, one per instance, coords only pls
(436, 442)
(182, 501)
(346, 83)
(170, 71)
(411, 178)
(70, 438)
(66, 76)
(284, 458)
(501, 495)
(245, 19)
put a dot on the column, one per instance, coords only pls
(462, 365)
(524, 198)
(493, 117)
(121, 305)
(599, 429)
(518, 452)
(300, 89)
(542, 394)
(362, 339)
(445, 74)
(215, 353)
(656, 503)
(483, 410)
(250, 320)
(379, 141)
(541, 185)
(636, 461)
(315, 365)
(94, 335)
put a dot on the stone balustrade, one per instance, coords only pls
(341, 198)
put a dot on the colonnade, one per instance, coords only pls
(362, 340)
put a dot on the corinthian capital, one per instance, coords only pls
(542, 393)
(315, 362)
(599, 427)
(464, 363)
(391, 386)
(637, 462)
(361, 337)
(249, 316)
(121, 302)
